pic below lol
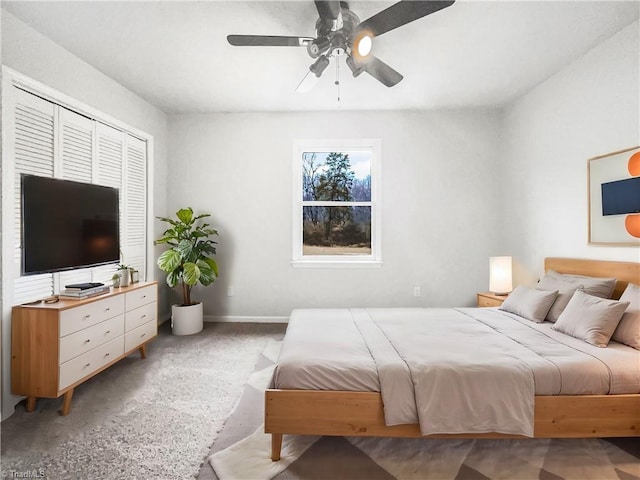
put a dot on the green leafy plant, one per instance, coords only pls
(188, 260)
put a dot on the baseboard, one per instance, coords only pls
(242, 319)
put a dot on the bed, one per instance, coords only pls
(305, 401)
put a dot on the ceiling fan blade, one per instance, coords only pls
(382, 72)
(267, 41)
(401, 13)
(328, 9)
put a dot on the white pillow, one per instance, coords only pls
(628, 331)
(590, 318)
(529, 303)
(565, 290)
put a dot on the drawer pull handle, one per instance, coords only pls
(143, 316)
(107, 309)
(107, 354)
(144, 296)
(87, 365)
(87, 340)
(107, 332)
(86, 316)
(142, 335)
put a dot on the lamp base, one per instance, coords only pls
(497, 294)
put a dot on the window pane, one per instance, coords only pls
(336, 231)
(337, 176)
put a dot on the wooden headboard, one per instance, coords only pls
(624, 272)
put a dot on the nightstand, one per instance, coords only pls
(488, 299)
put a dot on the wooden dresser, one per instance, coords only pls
(55, 347)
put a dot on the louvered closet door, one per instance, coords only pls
(76, 163)
(135, 197)
(110, 154)
(34, 143)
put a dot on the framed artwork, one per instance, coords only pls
(614, 198)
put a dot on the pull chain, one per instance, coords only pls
(337, 82)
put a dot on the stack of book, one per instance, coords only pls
(84, 290)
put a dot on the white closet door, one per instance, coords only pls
(135, 198)
(76, 146)
(76, 143)
(34, 144)
(110, 156)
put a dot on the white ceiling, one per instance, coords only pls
(175, 54)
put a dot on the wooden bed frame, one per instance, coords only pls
(342, 413)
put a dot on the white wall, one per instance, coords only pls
(589, 108)
(32, 54)
(439, 206)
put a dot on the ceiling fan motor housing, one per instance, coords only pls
(328, 40)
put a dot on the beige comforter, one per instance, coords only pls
(451, 370)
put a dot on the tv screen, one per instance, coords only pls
(620, 197)
(67, 225)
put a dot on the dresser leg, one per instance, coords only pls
(143, 351)
(66, 403)
(31, 404)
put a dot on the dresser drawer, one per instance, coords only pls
(89, 362)
(84, 340)
(141, 296)
(84, 316)
(138, 336)
(140, 316)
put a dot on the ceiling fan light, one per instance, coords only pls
(318, 46)
(319, 66)
(362, 45)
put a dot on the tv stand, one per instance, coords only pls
(56, 347)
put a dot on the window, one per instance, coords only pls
(336, 218)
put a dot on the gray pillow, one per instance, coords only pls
(529, 303)
(628, 331)
(598, 287)
(590, 318)
(565, 290)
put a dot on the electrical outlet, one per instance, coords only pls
(416, 291)
(230, 292)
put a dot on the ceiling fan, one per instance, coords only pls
(339, 30)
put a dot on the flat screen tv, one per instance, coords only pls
(68, 225)
(621, 196)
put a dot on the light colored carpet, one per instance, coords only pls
(153, 418)
(242, 451)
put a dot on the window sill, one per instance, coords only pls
(336, 264)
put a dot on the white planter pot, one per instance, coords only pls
(186, 320)
(124, 277)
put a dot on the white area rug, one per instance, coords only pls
(242, 452)
(146, 419)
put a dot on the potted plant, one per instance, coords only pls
(188, 262)
(116, 280)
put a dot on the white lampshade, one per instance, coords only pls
(500, 281)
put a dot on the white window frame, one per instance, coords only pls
(322, 261)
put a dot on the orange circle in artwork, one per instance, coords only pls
(632, 224)
(634, 164)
